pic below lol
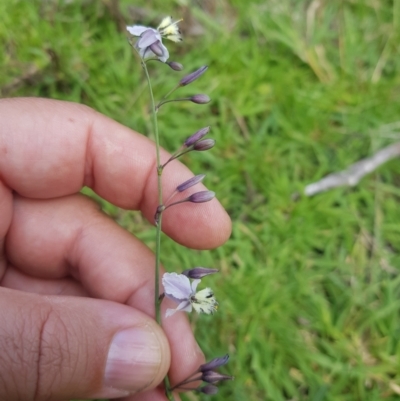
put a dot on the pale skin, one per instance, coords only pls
(70, 277)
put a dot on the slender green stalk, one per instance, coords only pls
(171, 91)
(157, 300)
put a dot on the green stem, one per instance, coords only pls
(160, 199)
(157, 300)
(168, 392)
(171, 91)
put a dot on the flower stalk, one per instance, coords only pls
(178, 287)
(157, 301)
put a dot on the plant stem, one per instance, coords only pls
(171, 91)
(157, 300)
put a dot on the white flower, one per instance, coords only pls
(150, 39)
(178, 288)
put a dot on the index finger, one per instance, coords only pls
(53, 148)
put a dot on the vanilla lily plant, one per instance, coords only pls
(178, 286)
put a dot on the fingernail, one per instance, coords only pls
(133, 360)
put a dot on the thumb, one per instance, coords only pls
(68, 347)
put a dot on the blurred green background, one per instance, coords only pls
(309, 288)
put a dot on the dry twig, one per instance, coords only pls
(352, 175)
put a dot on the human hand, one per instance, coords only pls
(76, 294)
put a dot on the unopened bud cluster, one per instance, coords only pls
(207, 373)
(194, 142)
(197, 197)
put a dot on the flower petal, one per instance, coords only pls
(136, 30)
(170, 312)
(147, 38)
(195, 283)
(165, 55)
(177, 286)
(184, 306)
(149, 54)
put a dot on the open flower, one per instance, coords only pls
(150, 39)
(178, 288)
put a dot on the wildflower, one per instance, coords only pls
(214, 377)
(193, 76)
(193, 142)
(200, 99)
(196, 136)
(208, 375)
(181, 188)
(150, 39)
(178, 288)
(190, 182)
(175, 66)
(201, 197)
(197, 197)
(214, 363)
(204, 144)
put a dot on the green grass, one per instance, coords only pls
(309, 287)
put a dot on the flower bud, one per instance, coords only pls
(189, 183)
(175, 66)
(200, 99)
(197, 273)
(209, 376)
(214, 363)
(204, 144)
(197, 136)
(193, 76)
(208, 389)
(201, 197)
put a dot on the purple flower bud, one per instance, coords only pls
(209, 376)
(197, 136)
(200, 99)
(204, 144)
(156, 49)
(193, 76)
(208, 389)
(201, 197)
(189, 183)
(197, 273)
(175, 66)
(214, 363)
